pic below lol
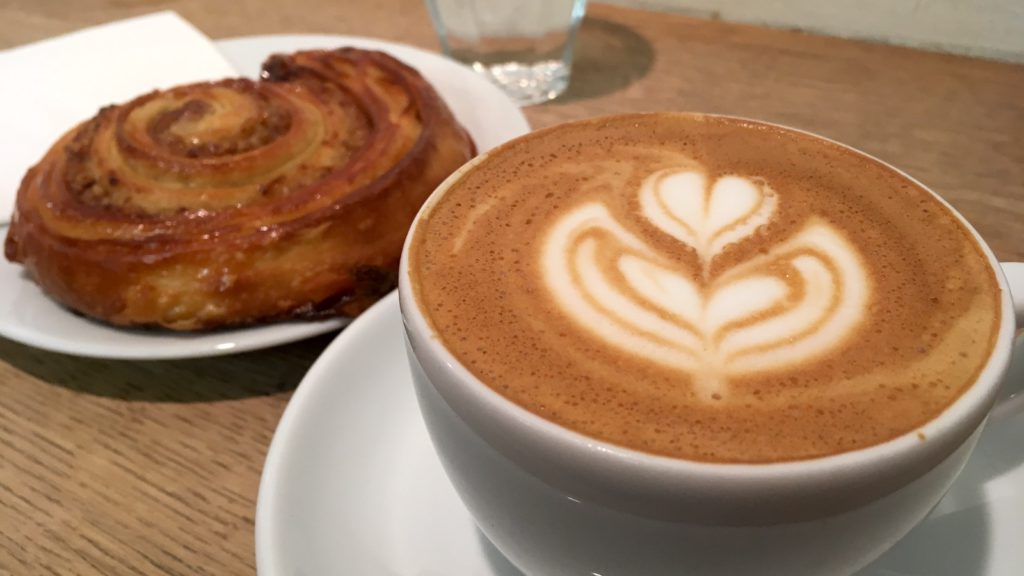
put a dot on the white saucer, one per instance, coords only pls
(28, 316)
(351, 484)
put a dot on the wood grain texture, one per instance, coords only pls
(111, 467)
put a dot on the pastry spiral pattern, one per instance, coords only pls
(235, 202)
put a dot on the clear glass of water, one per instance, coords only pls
(523, 46)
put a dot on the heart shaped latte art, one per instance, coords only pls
(748, 318)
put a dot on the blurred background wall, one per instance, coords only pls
(987, 28)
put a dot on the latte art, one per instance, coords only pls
(800, 299)
(680, 203)
(705, 288)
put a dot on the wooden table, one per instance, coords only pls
(111, 467)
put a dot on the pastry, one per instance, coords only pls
(236, 202)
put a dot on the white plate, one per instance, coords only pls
(28, 316)
(351, 484)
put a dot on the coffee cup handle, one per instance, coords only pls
(1011, 400)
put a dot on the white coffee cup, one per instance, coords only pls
(556, 502)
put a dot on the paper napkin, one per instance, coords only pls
(54, 84)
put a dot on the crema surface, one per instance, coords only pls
(706, 288)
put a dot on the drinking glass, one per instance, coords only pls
(523, 46)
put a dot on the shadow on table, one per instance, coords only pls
(258, 373)
(608, 57)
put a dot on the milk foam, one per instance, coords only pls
(679, 203)
(797, 300)
(712, 289)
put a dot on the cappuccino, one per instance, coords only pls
(706, 288)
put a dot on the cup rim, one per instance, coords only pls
(948, 429)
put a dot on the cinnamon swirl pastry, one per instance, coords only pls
(235, 202)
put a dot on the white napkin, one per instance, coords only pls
(54, 84)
